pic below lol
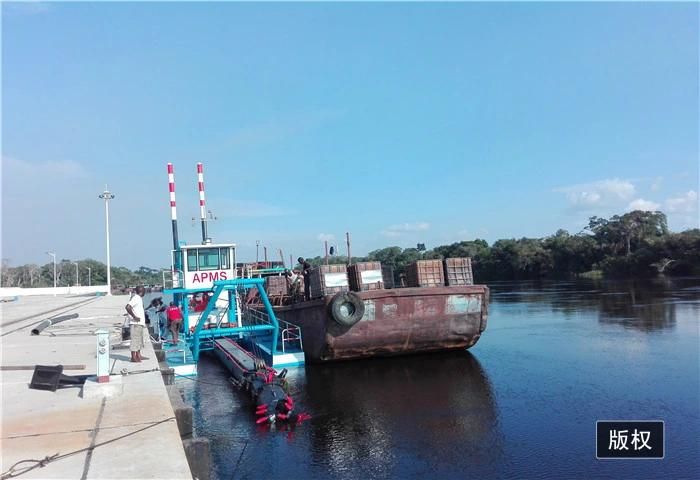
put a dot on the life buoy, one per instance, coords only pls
(347, 309)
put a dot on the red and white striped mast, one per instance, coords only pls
(173, 209)
(202, 202)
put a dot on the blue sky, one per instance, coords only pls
(401, 123)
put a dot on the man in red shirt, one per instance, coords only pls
(174, 315)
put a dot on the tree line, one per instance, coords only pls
(631, 245)
(635, 244)
(35, 276)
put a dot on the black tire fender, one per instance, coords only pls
(347, 308)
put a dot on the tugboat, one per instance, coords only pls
(209, 290)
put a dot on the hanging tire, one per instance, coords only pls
(347, 309)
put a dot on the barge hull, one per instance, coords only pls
(395, 322)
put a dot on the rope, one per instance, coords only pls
(125, 372)
(98, 429)
(13, 471)
(240, 457)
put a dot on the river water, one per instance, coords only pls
(522, 403)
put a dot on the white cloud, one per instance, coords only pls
(644, 205)
(686, 203)
(611, 192)
(326, 237)
(400, 229)
(585, 198)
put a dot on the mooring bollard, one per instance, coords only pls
(102, 356)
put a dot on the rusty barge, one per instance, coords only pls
(393, 322)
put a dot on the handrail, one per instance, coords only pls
(180, 278)
(292, 336)
(288, 331)
(265, 316)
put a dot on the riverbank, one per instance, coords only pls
(126, 431)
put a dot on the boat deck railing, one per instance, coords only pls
(254, 323)
(289, 333)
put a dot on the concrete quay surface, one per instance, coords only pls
(137, 419)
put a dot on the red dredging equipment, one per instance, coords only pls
(267, 387)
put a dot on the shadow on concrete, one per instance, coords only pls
(124, 358)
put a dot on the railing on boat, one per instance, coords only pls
(289, 332)
(254, 322)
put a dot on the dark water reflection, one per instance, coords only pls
(377, 418)
(642, 304)
(523, 404)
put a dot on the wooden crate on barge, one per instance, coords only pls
(458, 271)
(425, 273)
(365, 276)
(388, 276)
(328, 280)
(276, 285)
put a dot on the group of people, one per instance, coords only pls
(199, 302)
(139, 319)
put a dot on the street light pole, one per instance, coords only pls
(53, 255)
(77, 279)
(107, 196)
(89, 277)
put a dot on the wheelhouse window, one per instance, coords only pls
(208, 259)
(192, 260)
(225, 263)
(177, 260)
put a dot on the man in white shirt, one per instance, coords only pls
(292, 284)
(138, 322)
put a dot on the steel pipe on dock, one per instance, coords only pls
(52, 321)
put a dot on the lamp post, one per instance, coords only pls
(89, 277)
(107, 196)
(77, 279)
(53, 255)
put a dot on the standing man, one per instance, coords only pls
(138, 322)
(306, 271)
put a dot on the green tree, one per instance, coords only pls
(571, 254)
(389, 256)
(627, 232)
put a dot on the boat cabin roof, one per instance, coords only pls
(208, 245)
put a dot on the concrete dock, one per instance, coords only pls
(127, 431)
